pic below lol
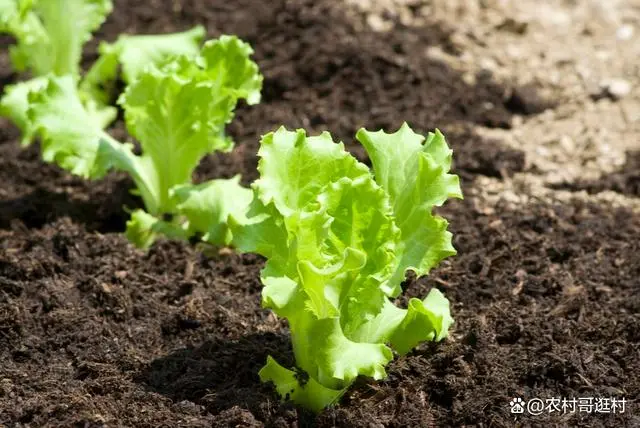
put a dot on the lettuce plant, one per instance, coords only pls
(50, 35)
(177, 112)
(338, 240)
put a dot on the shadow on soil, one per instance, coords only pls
(104, 212)
(220, 374)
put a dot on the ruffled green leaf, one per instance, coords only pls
(9, 15)
(260, 230)
(227, 62)
(207, 207)
(143, 229)
(424, 320)
(294, 168)
(169, 116)
(309, 394)
(415, 173)
(15, 105)
(334, 360)
(51, 33)
(70, 135)
(134, 53)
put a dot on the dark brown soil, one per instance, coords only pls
(626, 180)
(94, 333)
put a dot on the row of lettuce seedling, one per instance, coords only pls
(338, 237)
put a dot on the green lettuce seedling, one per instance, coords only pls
(50, 35)
(177, 112)
(338, 242)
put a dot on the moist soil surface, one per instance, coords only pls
(544, 289)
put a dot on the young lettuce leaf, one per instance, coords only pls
(133, 53)
(178, 113)
(22, 97)
(143, 229)
(415, 176)
(207, 206)
(50, 33)
(336, 239)
(201, 211)
(15, 105)
(69, 133)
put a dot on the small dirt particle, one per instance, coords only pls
(615, 88)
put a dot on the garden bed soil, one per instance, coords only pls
(95, 333)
